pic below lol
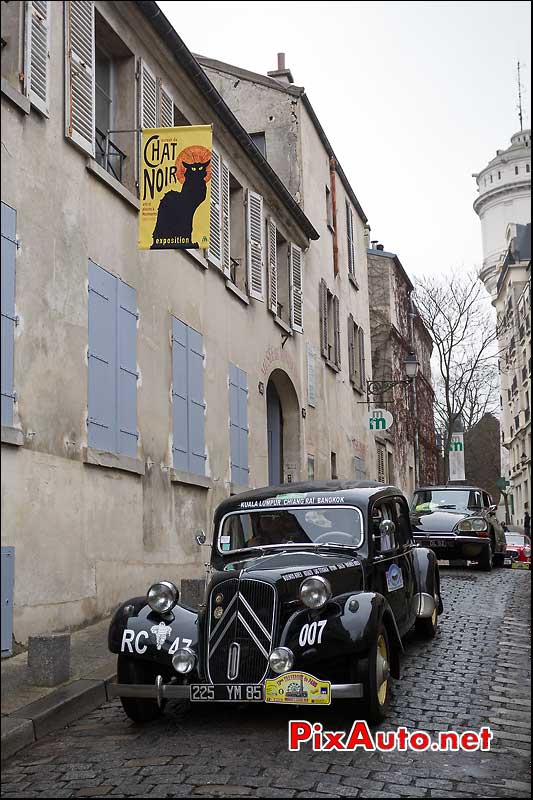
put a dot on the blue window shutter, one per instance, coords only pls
(238, 405)
(243, 427)
(195, 402)
(127, 371)
(9, 251)
(102, 368)
(180, 444)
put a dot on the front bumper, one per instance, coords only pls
(454, 547)
(168, 691)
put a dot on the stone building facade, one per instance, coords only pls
(407, 452)
(140, 388)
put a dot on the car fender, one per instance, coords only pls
(427, 580)
(138, 631)
(346, 625)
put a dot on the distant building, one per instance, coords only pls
(482, 455)
(409, 448)
(504, 197)
(513, 308)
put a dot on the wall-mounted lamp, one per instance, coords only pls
(261, 387)
(304, 412)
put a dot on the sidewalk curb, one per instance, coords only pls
(30, 723)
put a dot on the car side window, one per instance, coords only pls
(384, 542)
(403, 526)
(474, 500)
(486, 500)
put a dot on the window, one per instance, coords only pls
(527, 168)
(382, 463)
(403, 527)
(516, 170)
(356, 354)
(491, 178)
(499, 175)
(310, 467)
(329, 325)
(384, 542)
(237, 231)
(238, 412)
(334, 475)
(259, 140)
(311, 375)
(329, 209)
(112, 364)
(284, 265)
(351, 242)
(9, 253)
(188, 405)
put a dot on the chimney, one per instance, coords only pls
(281, 74)
(380, 247)
(373, 244)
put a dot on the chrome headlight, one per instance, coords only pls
(184, 661)
(162, 596)
(315, 592)
(281, 659)
(473, 524)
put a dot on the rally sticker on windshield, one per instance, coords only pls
(307, 573)
(294, 500)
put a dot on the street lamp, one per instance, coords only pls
(410, 364)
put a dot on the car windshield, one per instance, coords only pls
(516, 538)
(447, 500)
(339, 526)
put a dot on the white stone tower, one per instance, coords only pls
(504, 196)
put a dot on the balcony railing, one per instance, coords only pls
(108, 155)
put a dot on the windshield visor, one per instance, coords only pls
(340, 526)
(447, 500)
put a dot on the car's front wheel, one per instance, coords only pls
(373, 671)
(129, 670)
(485, 561)
(426, 627)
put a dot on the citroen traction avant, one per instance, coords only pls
(310, 589)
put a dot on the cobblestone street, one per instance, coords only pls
(476, 672)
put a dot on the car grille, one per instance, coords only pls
(239, 643)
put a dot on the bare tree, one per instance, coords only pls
(457, 312)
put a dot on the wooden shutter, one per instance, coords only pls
(180, 439)
(337, 332)
(323, 310)
(351, 349)
(7, 286)
(350, 236)
(215, 211)
(311, 375)
(361, 365)
(148, 97)
(254, 244)
(37, 54)
(79, 73)
(381, 453)
(238, 404)
(102, 361)
(272, 266)
(226, 229)
(127, 371)
(295, 288)
(166, 107)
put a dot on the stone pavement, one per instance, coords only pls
(476, 672)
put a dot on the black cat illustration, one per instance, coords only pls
(177, 209)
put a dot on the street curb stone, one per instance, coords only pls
(66, 704)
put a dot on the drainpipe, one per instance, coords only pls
(332, 177)
(415, 399)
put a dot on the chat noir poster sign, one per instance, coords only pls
(175, 187)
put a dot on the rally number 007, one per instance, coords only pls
(311, 633)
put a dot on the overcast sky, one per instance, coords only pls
(414, 98)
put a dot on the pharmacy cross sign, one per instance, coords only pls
(379, 419)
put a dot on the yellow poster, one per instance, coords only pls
(175, 187)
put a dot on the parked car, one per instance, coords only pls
(310, 589)
(458, 522)
(518, 552)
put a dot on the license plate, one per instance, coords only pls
(520, 565)
(507, 561)
(298, 688)
(226, 693)
(439, 543)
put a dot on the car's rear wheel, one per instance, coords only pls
(426, 627)
(129, 670)
(373, 671)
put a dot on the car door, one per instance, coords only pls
(494, 523)
(388, 575)
(406, 560)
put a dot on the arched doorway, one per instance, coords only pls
(283, 429)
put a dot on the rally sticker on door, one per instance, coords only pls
(394, 577)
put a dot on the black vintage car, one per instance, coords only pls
(310, 589)
(458, 523)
